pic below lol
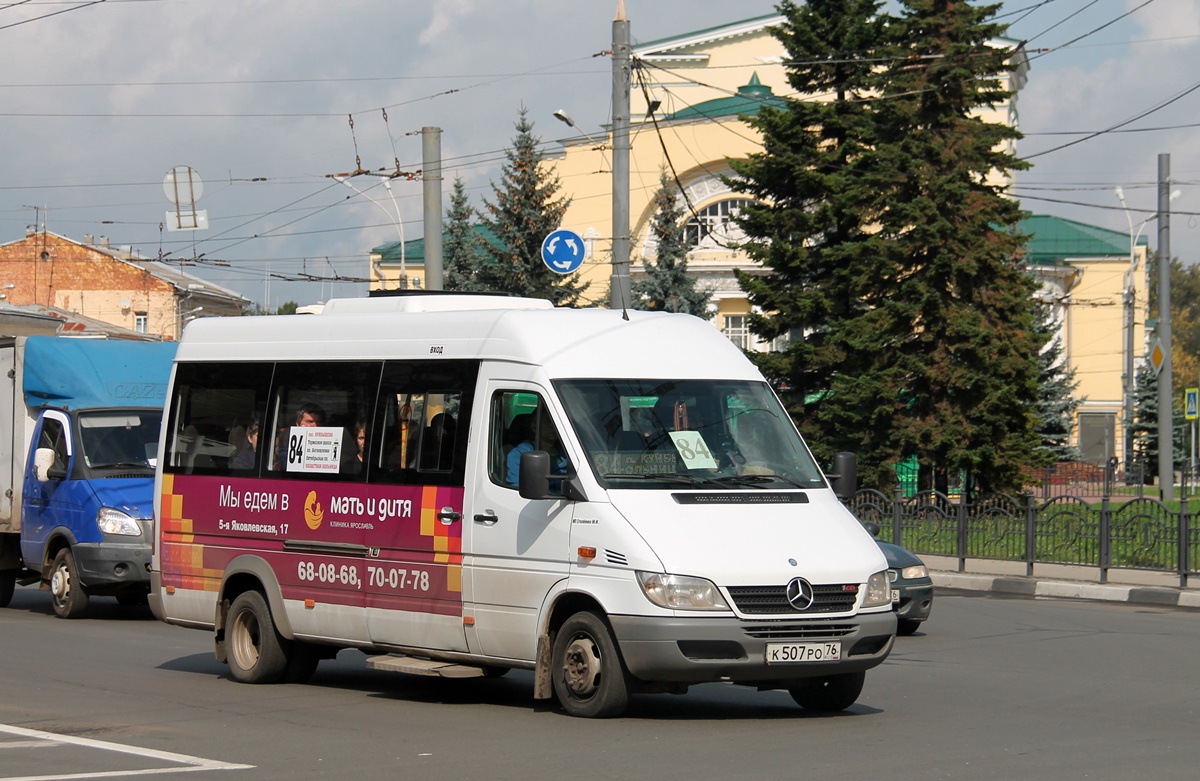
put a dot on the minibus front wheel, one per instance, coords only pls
(589, 677)
(254, 648)
(829, 693)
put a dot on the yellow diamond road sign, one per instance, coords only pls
(1157, 357)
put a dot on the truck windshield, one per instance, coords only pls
(119, 439)
(722, 434)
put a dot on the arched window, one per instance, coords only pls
(713, 227)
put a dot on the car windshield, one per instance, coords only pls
(713, 434)
(121, 439)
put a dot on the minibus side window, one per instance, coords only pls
(317, 410)
(212, 409)
(519, 422)
(421, 423)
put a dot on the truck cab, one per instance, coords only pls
(76, 509)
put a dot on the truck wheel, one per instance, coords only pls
(589, 677)
(67, 594)
(253, 647)
(829, 693)
(8, 584)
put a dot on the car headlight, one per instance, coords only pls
(113, 521)
(680, 592)
(879, 591)
(914, 572)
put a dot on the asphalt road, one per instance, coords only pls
(991, 688)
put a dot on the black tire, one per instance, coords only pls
(907, 626)
(8, 584)
(830, 693)
(133, 598)
(252, 646)
(302, 661)
(588, 674)
(67, 594)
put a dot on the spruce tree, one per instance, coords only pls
(810, 230)
(1143, 431)
(463, 250)
(1056, 395)
(971, 345)
(526, 209)
(885, 242)
(667, 285)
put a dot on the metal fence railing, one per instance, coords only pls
(1107, 531)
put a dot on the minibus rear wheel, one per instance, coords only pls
(589, 677)
(253, 647)
(828, 693)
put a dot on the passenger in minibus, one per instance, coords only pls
(522, 430)
(244, 460)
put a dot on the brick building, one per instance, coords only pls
(115, 286)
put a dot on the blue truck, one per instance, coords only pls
(77, 466)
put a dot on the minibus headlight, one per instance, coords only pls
(879, 591)
(680, 592)
(113, 521)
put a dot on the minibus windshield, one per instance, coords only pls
(710, 434)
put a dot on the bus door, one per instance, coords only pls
(517, 547)
(417, 454)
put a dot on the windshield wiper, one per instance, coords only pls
(755, 480)
(666, 477)
(123, 465)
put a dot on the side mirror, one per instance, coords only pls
(534, 479)
(871, 527)
(844, 478)
(534, 476)
(43, 466)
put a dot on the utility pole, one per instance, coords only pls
(620, 286)
(1166, 435)
(431, 188)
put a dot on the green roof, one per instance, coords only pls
(1055, 240)
(414, 249)
(748, 100)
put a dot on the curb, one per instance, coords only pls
(1062, 589)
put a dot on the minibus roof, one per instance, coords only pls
(566, 342)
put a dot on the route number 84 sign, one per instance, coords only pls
(693, 450)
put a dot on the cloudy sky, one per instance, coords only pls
(100, 99)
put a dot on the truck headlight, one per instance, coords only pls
(113, 521)
(680, 592)
(879, 591)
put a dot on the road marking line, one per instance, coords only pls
(38, 738)
(27, 743)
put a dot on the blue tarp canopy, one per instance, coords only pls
(89, 373)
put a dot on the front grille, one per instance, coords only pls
(783, 631)
(772, 600)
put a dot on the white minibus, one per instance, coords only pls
(460, 485)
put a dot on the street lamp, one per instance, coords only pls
(396, 220)
(9, 286)
(1128, 297)
(563, 117)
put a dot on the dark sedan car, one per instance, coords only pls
(912, 588)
